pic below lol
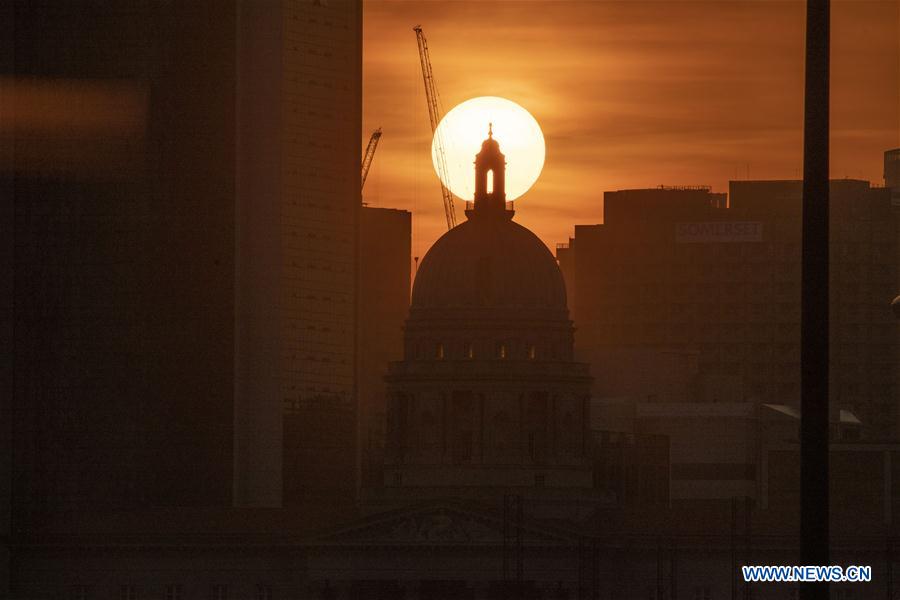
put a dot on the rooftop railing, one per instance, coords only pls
(510, 205)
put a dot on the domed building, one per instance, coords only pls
(488, 396)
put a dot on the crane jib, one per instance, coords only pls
(434, 115)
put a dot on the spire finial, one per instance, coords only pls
(490, 130)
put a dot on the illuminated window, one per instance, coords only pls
(439, 351)
(531, 352)
(501, 351)
(470, 351)
(490, 181)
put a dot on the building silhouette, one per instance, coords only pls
(385, 249)
(321, 119)
(183, 252)
(488, 396)
(192, 285)
(709, 294)
(892, 169)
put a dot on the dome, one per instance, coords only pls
(489, 263)
(490, 145)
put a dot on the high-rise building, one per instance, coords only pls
(618, 276)
(321, 120)
(892, 183)
(892, 170)
(185, 186)
(385, 250)
(124, 252)
(702, 302)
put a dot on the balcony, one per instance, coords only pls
(509, 207)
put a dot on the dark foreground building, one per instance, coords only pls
(181, 195)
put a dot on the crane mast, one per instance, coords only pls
(434, 115)
(369, 155)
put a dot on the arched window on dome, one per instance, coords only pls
(490, 181)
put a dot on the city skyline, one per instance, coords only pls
(225, 382)
(701, 94)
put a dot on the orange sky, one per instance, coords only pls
(628, 93)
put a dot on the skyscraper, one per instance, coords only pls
(320, 111)
(385, 255)
(184, 225)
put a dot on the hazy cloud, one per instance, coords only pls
(628, 93)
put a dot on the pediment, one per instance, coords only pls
(439, 523)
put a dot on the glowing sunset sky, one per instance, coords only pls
(628, 94)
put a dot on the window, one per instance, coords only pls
(263, 592)
(174, 591)
(127, 592)
(531, 352)
(470, 350)
(219, 592)
(501, 351)
(539, 481)
(439, 351)
(701, 593)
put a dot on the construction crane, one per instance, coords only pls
(434, 114)
(369, 155)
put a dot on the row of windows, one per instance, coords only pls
(502, 351)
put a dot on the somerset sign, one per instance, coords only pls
(718, 232)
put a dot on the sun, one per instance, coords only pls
(464, 128)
